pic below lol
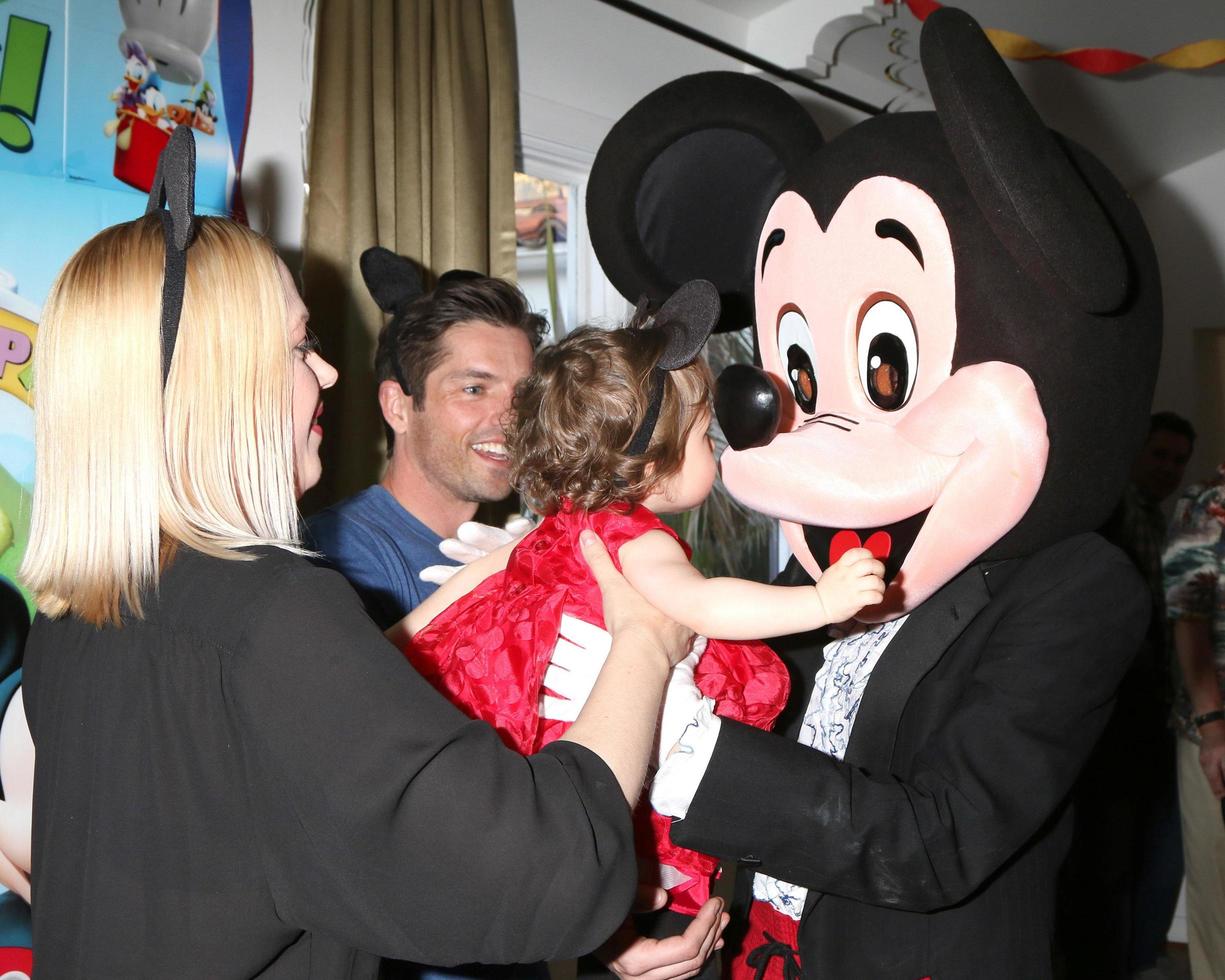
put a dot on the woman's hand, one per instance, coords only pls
(628, 614)
(618, 720)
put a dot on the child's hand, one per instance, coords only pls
(855, 580)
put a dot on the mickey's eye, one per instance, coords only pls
(888, 355)
(795, 346)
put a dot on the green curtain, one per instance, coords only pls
(412, 146)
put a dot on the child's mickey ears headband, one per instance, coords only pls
(687, 318)
(395, 283)
(173, 196)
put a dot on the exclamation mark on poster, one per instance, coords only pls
(21, 80)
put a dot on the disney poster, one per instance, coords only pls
(90, 91)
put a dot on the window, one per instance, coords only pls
(544, 248)
(584, 293)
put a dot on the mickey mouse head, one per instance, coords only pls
(957, 313)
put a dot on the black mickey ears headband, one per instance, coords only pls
(687, 318)
(393, 280)
(395, 283)
(173, 196)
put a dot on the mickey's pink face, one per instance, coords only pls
(880, 442)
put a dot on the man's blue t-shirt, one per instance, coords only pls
(380, 548)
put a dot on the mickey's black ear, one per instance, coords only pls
(393, 280)
(1037, 203)
(682, 183)
(688, 316)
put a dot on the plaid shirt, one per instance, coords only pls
(1138, 527)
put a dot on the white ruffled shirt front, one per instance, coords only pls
(836, 695)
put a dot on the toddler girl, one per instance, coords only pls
(610, 431)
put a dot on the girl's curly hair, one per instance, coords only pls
(573, 418)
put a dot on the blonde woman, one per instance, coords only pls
(236, 774)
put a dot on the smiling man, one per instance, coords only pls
(447, 365)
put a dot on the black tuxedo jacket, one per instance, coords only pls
(932, 849)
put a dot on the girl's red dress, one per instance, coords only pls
(488, 653)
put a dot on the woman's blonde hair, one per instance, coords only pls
(573, 419)
(126, 471)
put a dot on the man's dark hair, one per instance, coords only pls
(410, 346)
(1171, 422)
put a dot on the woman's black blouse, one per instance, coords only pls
(252, 782)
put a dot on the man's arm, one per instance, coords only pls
(1193, 645)
(984, 780)
(1192, 578)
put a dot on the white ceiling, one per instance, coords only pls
(1143, 123)
(747, 9)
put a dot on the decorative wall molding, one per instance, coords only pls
(873, 56)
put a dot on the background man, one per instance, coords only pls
(447, 365)
(1138, 525)
(1194, 567)
(1120, 885)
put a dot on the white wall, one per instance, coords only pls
(273, 176)
(1185, 213)
(582, 64)
(785, 35)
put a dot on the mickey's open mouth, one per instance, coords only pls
(891, 543)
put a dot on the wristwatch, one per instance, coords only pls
(1199, 721)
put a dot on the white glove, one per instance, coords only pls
(578, 655)
(577, 658)
(669, 878)
(682, 702)
(473, 541)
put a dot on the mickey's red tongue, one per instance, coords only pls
(879, 543)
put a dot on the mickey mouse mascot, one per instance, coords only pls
(958, 325)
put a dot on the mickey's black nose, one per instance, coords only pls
(747, 406)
